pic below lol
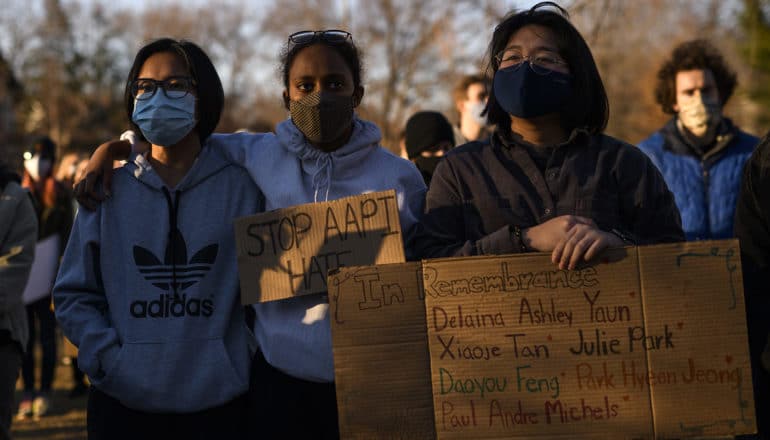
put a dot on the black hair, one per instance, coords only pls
(347, 50)
(44, 146)
(588, 107)
(693, 55)
(210, 95)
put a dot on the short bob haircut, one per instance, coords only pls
(693, 55)
(588, 107)
(210, 95)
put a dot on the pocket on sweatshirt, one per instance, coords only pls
(175, 376)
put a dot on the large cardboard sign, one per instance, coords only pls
(381, 356)
(289, 251)
(648, 343)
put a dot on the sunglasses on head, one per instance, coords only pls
(333, 36)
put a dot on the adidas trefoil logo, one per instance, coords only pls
(162, 275)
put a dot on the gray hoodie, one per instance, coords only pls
(148, 287)
(295, 334)
(18, 235)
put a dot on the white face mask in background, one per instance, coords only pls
(37, 167)
(476, 109)
(698, 115)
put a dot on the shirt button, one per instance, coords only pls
(547, 211)
(552, 175)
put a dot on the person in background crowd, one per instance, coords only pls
(65, 169)
(470, 99)
(323, 152)
(752, 228)
(53, 205)
(18, 234)
(427, 136)
(549, 180)
(699, 151)
(66, 172)
(148, 289)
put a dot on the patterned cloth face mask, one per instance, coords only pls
(322, 117)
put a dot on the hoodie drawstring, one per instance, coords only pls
(173, 232)
(322, 175)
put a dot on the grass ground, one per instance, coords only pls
(66, 419)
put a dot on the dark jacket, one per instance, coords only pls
(18, 234)
(705, 185)
(479, 190)
(752, 228)
(55, 219)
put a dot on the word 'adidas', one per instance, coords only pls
(167, 306)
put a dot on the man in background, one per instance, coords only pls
(699, 151)
(470, 99)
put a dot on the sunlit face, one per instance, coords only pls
(320, 68)
(532, 42)
(694, 84)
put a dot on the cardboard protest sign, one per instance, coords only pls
(381, 352)
(289, 251)
(703, 387)
(648, 343)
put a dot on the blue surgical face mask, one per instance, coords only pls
(165, 121)
(523, 93)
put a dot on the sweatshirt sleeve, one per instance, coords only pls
(410, 207)
(442, 231)
(239, 148)
(18, 232)
(80, 301)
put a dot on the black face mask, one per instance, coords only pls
(322, 117)
(427, 164)
(525, 94)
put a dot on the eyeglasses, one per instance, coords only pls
(173, 88)
(542, 62)
(333, 36)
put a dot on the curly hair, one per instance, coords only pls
(693, 55)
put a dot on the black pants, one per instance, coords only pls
(108, 419)
(284, 407)
(40, 312)
(10, 361)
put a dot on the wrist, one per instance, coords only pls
(626, 238)
(519, 237)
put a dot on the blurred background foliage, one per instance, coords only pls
(63, 63)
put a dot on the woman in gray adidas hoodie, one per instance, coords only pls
(148, 286)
